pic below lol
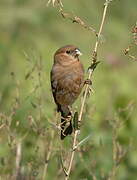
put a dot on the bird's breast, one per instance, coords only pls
(69, 81)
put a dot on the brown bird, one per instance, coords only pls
(67, 80)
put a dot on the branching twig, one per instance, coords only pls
(78, 20)
(91, 69)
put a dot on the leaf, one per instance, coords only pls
(94, 65)
(75, 121)
(34, 105)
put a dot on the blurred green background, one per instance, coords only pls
(30, 33)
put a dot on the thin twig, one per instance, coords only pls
(73, 18)
(94, 61)
(78, 20)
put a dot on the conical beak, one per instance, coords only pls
(78, 52)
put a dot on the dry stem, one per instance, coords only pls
(94, 61)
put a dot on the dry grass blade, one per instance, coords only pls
(62, 164)
(83, 141)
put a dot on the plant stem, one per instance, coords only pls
(94, 60)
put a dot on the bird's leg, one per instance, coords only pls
(66, 126)
(67, 120)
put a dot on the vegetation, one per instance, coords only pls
(30, 147)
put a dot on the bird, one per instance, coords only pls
(67, 81)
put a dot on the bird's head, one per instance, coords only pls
(68, 53)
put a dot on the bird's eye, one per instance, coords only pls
(68, 52)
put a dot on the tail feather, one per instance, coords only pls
(66, 124)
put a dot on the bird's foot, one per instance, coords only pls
(88, 81)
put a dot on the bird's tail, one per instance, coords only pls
(66, 124)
